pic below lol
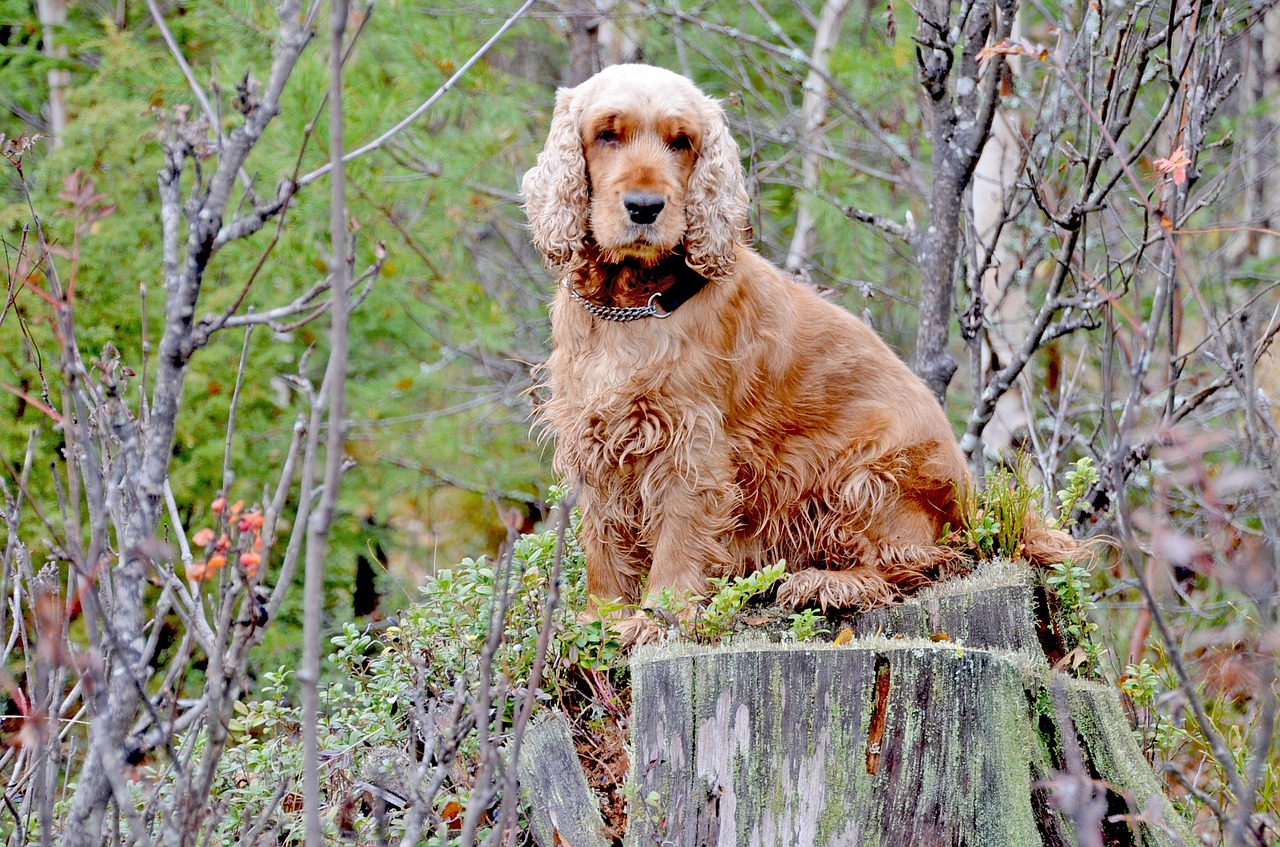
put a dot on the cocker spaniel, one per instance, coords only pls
(718, 415)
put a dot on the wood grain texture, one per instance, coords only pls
(781, 740)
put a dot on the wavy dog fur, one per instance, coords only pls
(756, 422)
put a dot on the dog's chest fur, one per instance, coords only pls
(782, 397)
(697, 384)
(611, 387)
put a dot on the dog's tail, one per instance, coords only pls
(1043, 546)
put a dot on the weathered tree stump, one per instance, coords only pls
(885, 740)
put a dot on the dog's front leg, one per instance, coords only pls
(609, 542)
(690, 502)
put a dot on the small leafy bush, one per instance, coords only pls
(1080, 480)
(375, 679)
(708, 623)
(807, 625)
(1071, 584)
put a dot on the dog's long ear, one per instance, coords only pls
(716, 199)
(556, 195)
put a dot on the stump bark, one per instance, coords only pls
(890, 739)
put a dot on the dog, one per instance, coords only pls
(718, 415)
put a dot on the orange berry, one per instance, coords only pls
(202, 537)
(216, 561)
(223, 543)
(196, 571)
(236, 507)
(219, 505)
(254, 520)
(250, 561)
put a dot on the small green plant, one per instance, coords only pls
(1140, 683)
(648, 809)
(807, 625)
(731, 594)
(708, 624)
(992, 516)
(1070, 583)
(1080, 480)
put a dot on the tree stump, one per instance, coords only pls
(890, 739)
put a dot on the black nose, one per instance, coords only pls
(643, 208)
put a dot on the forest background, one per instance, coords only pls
(1062, 214)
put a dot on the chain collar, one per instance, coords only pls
(684, 284)
(618, 314)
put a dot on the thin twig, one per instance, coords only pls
(157, 17)
(427, 104)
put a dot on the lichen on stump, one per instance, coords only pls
(881, 741)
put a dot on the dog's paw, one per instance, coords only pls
(637, 629)
(801, 589)
(861, 588)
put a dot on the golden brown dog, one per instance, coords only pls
(718, 415)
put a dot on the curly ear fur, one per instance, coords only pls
(557, 198)
(716, 199)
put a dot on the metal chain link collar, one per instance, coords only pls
(619, 314)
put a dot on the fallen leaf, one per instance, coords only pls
(1075, 659)
(1014, 48)
(1175, 166)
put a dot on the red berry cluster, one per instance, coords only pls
(241, 538)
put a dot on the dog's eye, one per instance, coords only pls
(608, 137)
(680, 143)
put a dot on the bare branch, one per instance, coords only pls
(408, 120)
(320, 520)
(210, 115)
(888, 227)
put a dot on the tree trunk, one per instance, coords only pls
(53, 15)
(962, 96)
(584, 41)
(1004, 299)
(1263, 69)
(890, 739)
(813, 111)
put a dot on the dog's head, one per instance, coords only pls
(638, 163)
